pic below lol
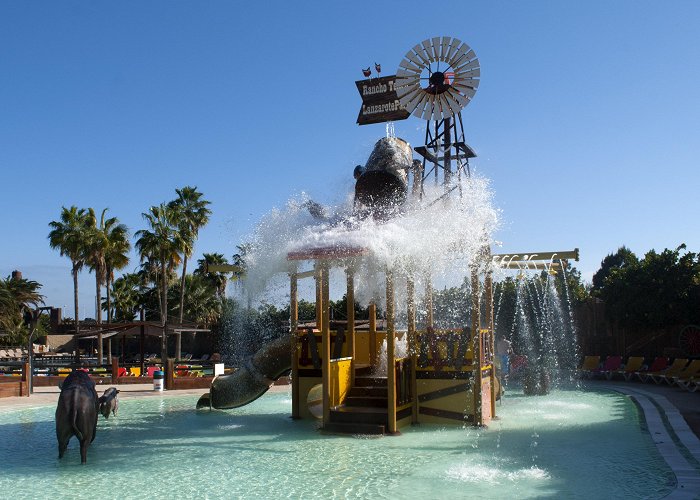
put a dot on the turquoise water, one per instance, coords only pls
(570, 444)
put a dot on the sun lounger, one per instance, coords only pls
(611, 365)
(634, 364)
(590, 364)
(692, 384)
(689, 372)
(672, 371)
(658, 366)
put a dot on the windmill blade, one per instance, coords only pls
(464, 58)
(435, 45)
(413, 58)
(451, 102)
(443, 110)
(410, 66)
(444, 47)
(462, 101)
(429, 108)
(410, 99)
(466, 82)
(404, 94)
(418, 49)
(405, 82)
(415, 101)
(472, 73)
(474, 63)
(456, 43)
(419, 106)
(408, 81)
(427, 51)
(405, 74)
(465, 91)
(461, 51)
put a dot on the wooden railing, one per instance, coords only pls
(440, 350)
(404, 369)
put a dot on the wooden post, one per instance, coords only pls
(411, 334)
(178, 345)
(100, 350)
(109, 349)
(293, 326)
(429, 300)
(372, 333)
(170, 374)
(326, 339)
(350, 331)
(26, 380)
(319, 298)
(476, 348)
(488, 291)
(390, 353)
(115, 369)
(142, 342)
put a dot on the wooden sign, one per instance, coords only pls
(379, 101)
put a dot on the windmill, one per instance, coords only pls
(436, 79)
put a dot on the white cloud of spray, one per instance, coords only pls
(441, 235)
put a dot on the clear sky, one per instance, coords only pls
(587, 119)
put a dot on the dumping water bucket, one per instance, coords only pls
(158, 380)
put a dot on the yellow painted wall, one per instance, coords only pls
(460, 403)
(340, 380)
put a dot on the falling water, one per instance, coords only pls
(541, 328)
(435, 235)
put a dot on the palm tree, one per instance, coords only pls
(202, 305)
(191, 214)
(160, 245)
(217, 279)
(116, 254)
(125, 297)
(17, 297)
(69, 236)
(239, 259)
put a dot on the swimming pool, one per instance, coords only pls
(569, 444)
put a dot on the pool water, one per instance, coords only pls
(569, 444)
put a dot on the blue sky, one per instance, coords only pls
(586, 121)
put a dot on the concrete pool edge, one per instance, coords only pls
(669, 438)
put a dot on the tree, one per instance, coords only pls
(202, 303)
(17, 298)
(116, 254)
(107, 249)
(160, 246)
(69, 236)
(125, 298)
(190, 214)
(622, 258)
(660, 290)
(217, 279)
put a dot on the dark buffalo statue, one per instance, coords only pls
(109, 402)
(76, 414)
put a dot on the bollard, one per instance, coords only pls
(158, 380)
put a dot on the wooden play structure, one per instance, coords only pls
(446, 376)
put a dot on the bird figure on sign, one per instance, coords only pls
(378, 68)
(367, 72)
